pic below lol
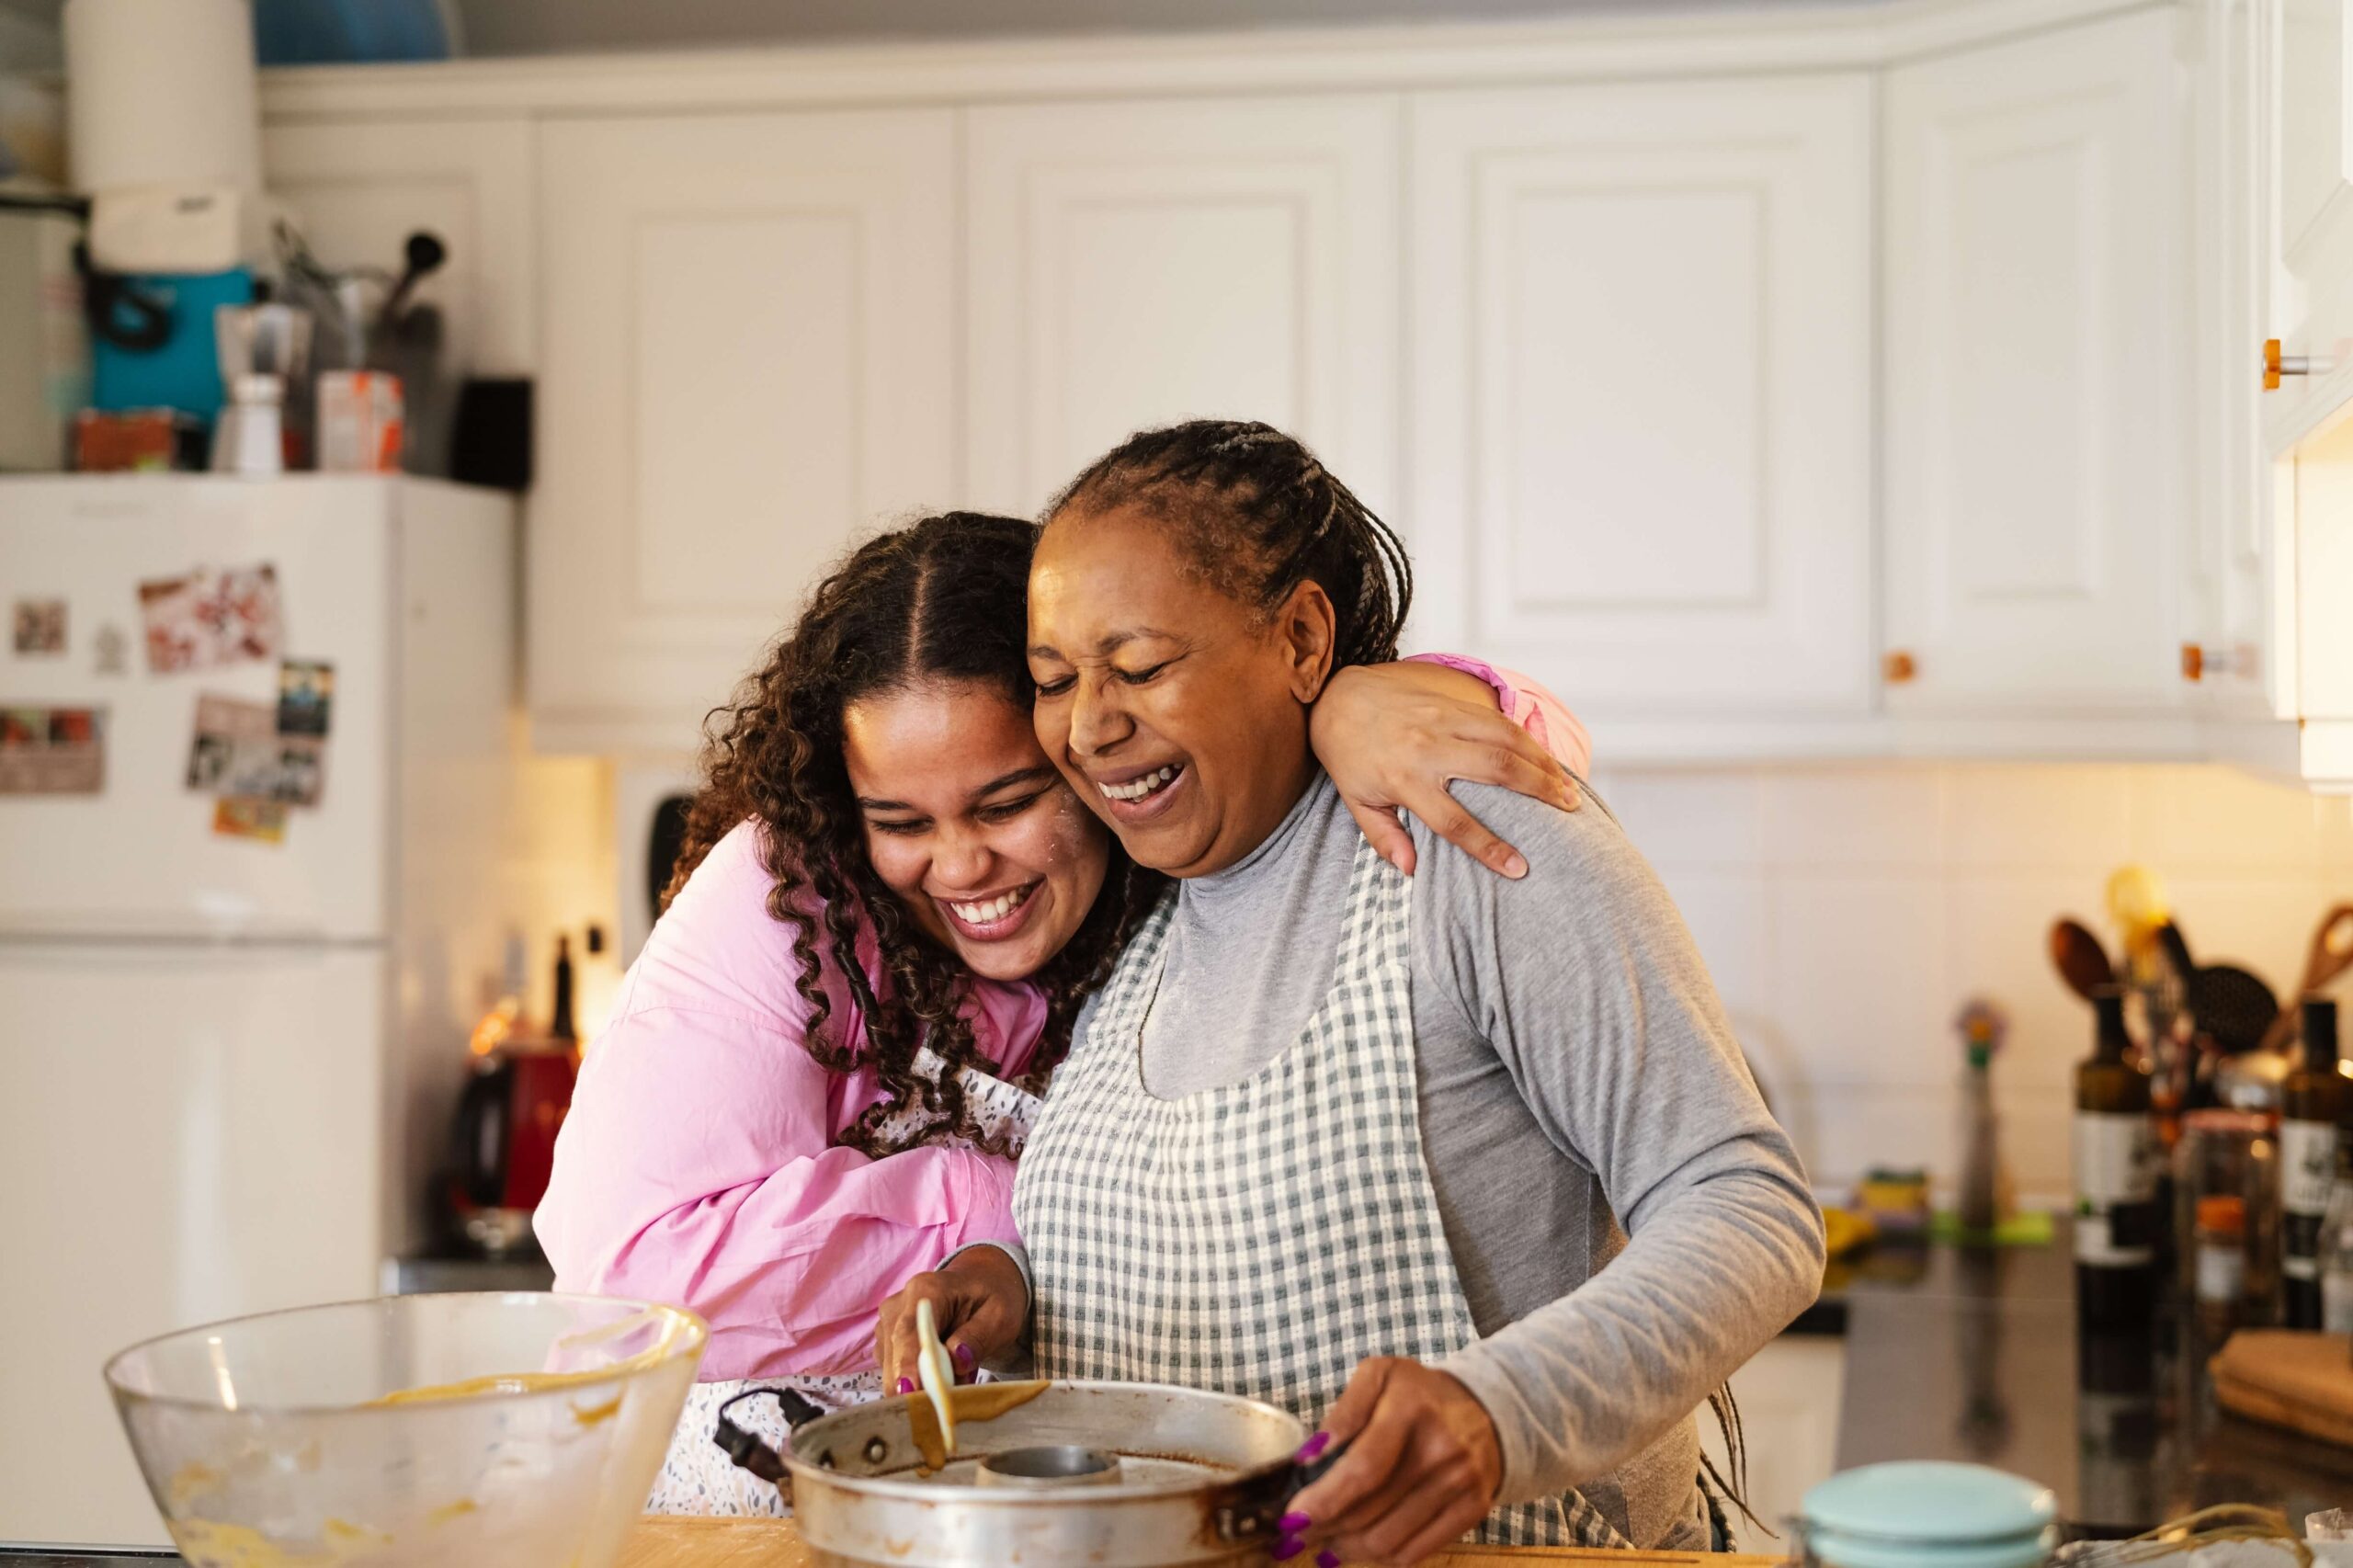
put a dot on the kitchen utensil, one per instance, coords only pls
(2330, 956)
(1928, 1515)
(2136, 902)
(413, 1430)
(2080, 958)
(935, 1372)
(1203, 1479)
(422, 254)
(2175, 950)
(2232, 1005)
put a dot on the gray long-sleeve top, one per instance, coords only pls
(1583, 1103)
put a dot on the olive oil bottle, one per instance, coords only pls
(2116, 1178)
(2314, 1100)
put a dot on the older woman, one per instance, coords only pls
(1358, 1145)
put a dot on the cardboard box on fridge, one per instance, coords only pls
(359, 422)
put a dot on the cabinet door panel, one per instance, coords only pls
(750, 360)
(1136, 264)
(2034, 354)
(1639, 406)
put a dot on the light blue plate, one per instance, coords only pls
(1929, 1515)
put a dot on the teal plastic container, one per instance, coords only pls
(152, 343)
(1926, 1514)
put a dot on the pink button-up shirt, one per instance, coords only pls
(698, 1166)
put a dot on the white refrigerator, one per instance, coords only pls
(228, 1044)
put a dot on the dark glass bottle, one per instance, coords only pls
(560, 1026)
(2116, 1178)
(2312, 1101)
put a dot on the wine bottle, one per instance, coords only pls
(560, 1025)
(2312, 1103)
(2116, 1178)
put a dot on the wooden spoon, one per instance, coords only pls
(2080, 960)
(2331, 956)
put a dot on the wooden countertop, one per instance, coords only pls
(775, 1543)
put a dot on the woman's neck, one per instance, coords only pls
(1273, 805)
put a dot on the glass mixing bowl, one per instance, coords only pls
(521, 1429)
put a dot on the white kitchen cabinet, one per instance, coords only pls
(2036, 302)
(1640, 394)
(749, 360)
(358, 189)
(1133, 264)
(2305, 93)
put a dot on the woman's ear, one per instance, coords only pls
(1305, 630)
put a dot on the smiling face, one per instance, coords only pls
(1176, 710)
(970, 826)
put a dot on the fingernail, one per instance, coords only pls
(1293, 1524)
(1327, 1560)
(906, 1385)
(1313, 1449)
(1289, 1548)
(965, 1356)
(1514, 866)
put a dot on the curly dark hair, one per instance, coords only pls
(1257, 514)
(943, 599)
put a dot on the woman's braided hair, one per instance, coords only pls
(942, 599)
(1256, 515)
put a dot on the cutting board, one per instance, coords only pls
(2281, 1377)
(775, 1543)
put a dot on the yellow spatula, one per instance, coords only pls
(935, 1372)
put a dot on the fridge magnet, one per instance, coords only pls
(305, 696)
(113, 649)
(209, 618)
(52, 751)
(238, 751)
(238, 816)
(40, 626)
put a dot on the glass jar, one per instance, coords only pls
(2226, 1218)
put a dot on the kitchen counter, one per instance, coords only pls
(1972, 1355)
(775, 1543)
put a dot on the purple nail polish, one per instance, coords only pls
(1289, 1548)
(965, 1356)
(1313, 1449)
(1293, 1524)
(1327, 1560)
(906, 1385)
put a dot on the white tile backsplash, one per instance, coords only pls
(1845, 912)
(1854, 815)
(1710, 818)
(1858, 979)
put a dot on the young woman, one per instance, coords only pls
(1359, 1146)
(890, 909)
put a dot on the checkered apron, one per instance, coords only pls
(1261, 1238)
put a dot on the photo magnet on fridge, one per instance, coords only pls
(237, 751)
(305, 696)
(112, 647)
(52, 751)
(236, 816)
(208, 618)
(40, 626)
